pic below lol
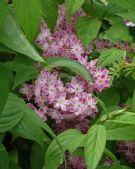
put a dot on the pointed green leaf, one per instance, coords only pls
(87, 29)
(95, 144)
(130, 15)
(73, 65)
(49, 10)
(24, 73)
(108, 56)
(121, 132)
(54, 156)
(12, 37)
(30, 22)
(4, 86)
(73, 6)
(128, 4)
(27, 127)
(7, 122)
(117, 33)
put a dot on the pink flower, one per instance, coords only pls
(91, 66)
(77, 106)
(27, 90)
(101, 78)
(51, 92)
(76, 47)
(91, 103)
(83, 60)
(75, 86)
(62, 102)
(42, 113)
(56, 115)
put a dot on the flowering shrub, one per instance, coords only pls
(67, 73)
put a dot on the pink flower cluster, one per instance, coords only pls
(61, 101)
(64, 42)
(127, 148)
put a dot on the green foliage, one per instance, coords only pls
(108, 56)
(113, 96)
(49, 11)
(73, 6)
(2, 13)
(3, 48)
(24, 137)
(4, 160)
(129, 4)
(72, 65)
(130, 15)
(37, 156)
(25, 11)
(8, 122)
(87, 29)
(95, 144)
(14, 165)
(118, 33)
(27, 127)
(54, 155)
(4, 86)
(24, 73)
(121, 133)
(12, 37)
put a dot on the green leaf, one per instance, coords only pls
(4, 160)
(130, 15)
(24, 73)
(21, 59)
(2, 137)
(3, 48)
(31, 125)
(117, 33)
(4, 86)
(54, 155)
(108, 56)
(121, 132)
(73, 65)
(73, 6)
(109, 154)
(25, 11)
(37, 156)
(87, 29)
(29, 130)
(27, 127)
(113, 96)
(12, 37)
(46, 7)
(133, 100)
(14, 165)
(128, 4)
(76, 142)
(95, 144)
(7, 122)
(2, 13)
(126, 118)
